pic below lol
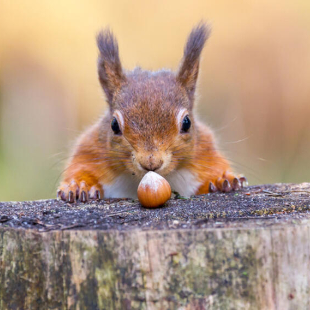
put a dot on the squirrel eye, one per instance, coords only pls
(186, 124)
(115, 126)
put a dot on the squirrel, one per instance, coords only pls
(149, 126)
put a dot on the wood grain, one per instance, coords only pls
(259, 260)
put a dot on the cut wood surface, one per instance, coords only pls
(242, 250)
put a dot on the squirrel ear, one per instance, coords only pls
(189, 68)
(110, 70)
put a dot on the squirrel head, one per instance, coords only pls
(150, 118)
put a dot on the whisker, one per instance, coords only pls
(81, 155)
(225, 126)
(237, 141)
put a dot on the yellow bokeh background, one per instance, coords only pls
(253, 86)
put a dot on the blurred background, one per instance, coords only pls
(254, 80)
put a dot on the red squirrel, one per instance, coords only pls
(149, 126)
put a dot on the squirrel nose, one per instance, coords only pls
(151, 166)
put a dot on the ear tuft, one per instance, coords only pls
(189, 68)
(109, 66)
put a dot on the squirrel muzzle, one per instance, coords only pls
(150, 162)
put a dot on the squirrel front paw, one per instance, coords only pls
(73, 191)
(227, 182)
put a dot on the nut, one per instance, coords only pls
(153, 190)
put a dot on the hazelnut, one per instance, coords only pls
(153, 190)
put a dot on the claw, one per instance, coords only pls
(243, 181)
(236, 184)
(61, 195)
(71, 197)
(83, 196)
(94, 193)
(97, 195)
(212, 188)
(226, 186)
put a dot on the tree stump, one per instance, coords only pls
(241, 250)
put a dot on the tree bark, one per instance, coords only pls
(241, 250)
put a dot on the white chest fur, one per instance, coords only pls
(125, 186)
(183, 181)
